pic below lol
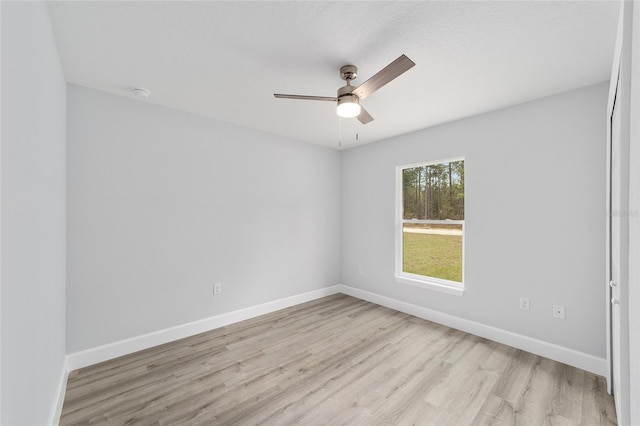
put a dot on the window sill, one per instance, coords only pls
(443, 287)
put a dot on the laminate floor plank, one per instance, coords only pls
(335, 361)
(597, 405)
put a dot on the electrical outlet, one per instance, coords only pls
(524, 303)
(217, 289)
(558, 311)
(360, 270)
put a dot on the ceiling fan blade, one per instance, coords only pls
(364, 116)
(306, 98)
(384, 76)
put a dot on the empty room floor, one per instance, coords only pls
(336, 360)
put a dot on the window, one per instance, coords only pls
(430, 225)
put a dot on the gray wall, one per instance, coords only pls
(33, 215)
(162, 204)
(535, 190)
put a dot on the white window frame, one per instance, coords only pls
(423, 281)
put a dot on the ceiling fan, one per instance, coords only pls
(349, 97)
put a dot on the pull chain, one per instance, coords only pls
(355, 128)
(355, 131)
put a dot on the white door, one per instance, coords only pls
(615, 217)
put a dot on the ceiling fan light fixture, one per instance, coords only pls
(348, 106)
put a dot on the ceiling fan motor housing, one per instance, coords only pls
(345, 91)
(348, 98)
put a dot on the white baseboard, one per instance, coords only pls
(548, 350)
(124, 347)
(56, 408)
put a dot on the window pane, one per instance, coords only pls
(434, 192)
(433, 250)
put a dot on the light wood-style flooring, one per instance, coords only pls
(336, 360)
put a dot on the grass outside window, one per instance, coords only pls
(433, 255)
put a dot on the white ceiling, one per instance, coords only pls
(226, 59)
